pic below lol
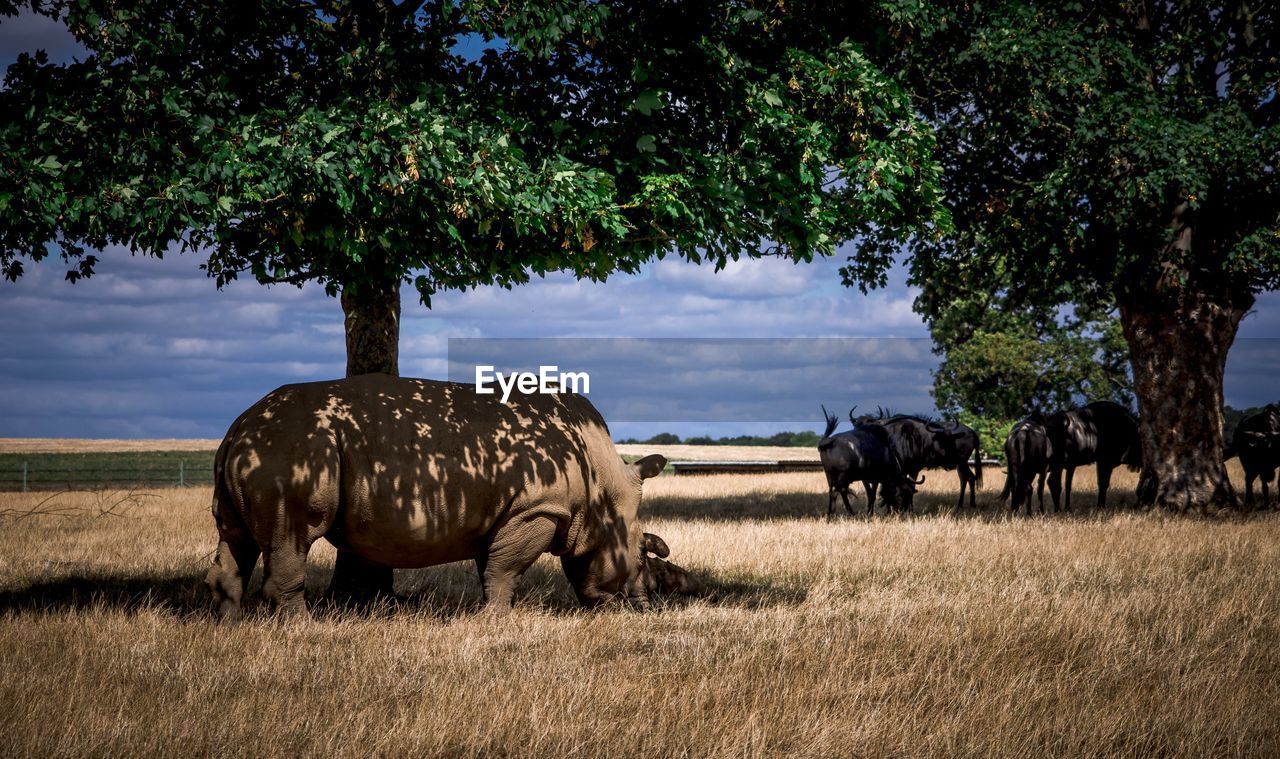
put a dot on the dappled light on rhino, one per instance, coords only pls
(412, 473)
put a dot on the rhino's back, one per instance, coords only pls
(416, 472)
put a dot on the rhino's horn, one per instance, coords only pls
(655, 545)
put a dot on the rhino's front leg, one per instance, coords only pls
(284, 571)
(515, 545)
(228, 578)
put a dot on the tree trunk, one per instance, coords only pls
(373, 328)
(1178, 350)
(373, 345)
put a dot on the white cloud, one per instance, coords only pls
(757, 279)
(152, 348)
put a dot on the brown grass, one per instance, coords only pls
(101, 445)
(1097, 633)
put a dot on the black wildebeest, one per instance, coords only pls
(1102, 433)
(1257, 442)
(863, 454)
(926, 444)
(1027, 452)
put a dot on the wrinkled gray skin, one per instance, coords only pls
(413, 473)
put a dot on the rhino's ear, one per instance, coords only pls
(650, 466)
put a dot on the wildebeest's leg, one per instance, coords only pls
(1249, 474)
(844, 495)
(515, 545)
(1066, 501)
(1021, 491)
(872, 487)
(1266, 477)
(1040, 488)
(1104, 482)
(831, 503)
(967, 477)
(1055, 487)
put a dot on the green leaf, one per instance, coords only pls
(649, 101)
(647, 144)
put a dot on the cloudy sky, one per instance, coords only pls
(149, 348)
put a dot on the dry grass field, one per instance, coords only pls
(946, 633)
(102, 445)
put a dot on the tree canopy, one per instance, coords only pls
(353, 142)
(1083, 141)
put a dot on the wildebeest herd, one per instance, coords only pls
(887, 453)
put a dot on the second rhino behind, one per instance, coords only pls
(413, 473)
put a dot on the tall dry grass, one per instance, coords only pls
(1104, 632)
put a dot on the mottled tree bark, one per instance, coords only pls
(1178, 347)
(373, 328)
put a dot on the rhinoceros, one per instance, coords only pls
(414, 473)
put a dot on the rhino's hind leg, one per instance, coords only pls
(228, 578)
(514, 547)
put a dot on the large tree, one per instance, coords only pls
(363, 144)
(1117, 154)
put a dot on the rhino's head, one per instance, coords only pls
(614, 561)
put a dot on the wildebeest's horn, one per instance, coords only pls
(920, 481)
(655, 545)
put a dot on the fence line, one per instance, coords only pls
(29, 477)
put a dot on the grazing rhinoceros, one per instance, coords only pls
(413, 473)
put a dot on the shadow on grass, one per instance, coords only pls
(181, 593)
(772, 506)
(443, 593)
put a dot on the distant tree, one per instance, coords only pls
(1111, 155)
(347, 142)
(805, 438)
(1006, 373)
